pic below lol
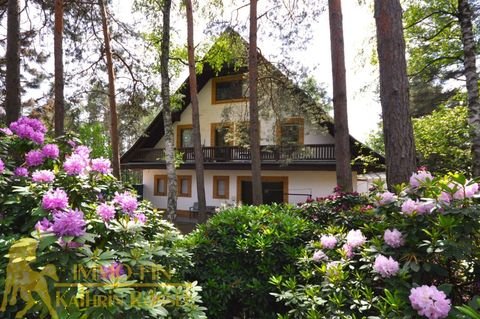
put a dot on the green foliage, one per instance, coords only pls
(433, 38)
(228, 49)
(472, 310)
(442, 140)
(94, 136)
(238, 250)
(435, 52)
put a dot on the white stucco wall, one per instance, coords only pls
(212, 113)
(317, 183)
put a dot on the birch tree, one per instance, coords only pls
(167, 112)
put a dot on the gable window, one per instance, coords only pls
(221, 134)
(160, 185)
(184, 186)
(184, 136)
(228, 89)
(221, 187)
(290, 131)
(242, 134)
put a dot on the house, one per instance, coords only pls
(298, 160)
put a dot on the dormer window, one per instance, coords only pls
(228, 89)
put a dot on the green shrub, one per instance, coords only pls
(238, 250)
(436, 247)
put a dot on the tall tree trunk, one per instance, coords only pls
(197, 139)
(111, 94)
(257, 196)
(397, 125)
(167, 113)
(13, 102)
(342, 136)
(59, 81)
(470, 70)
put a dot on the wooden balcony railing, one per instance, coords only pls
(268, 153)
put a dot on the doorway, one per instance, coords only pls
(274, 189)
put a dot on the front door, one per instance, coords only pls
(273, 190)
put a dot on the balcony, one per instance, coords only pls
(268, 153)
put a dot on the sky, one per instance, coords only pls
(359, 29)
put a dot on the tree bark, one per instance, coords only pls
(257, 196)
(397, 125)
(111, 94)
(59, 80)
(167, 113)
(342, 136)
(470, 70)
(197, 139)
(13, 102)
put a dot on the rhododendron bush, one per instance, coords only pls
(102, 242)
(412, 253)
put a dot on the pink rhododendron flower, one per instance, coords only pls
(386, 267)
(72, 143)
(471, 190)
(385, 198)
(55, 200)
(348, 250)
(113, 270)
(2, 166)
(20, 172)
(409, 206)
(83, 151)
(445, 198)
(6, 131)
(355, 238)
(51, 151)
(140, 218)
(107, 212)
(43, 225)
(101, 165)
(68, 223)
(466, 192)
(31, 129)
(43, 176)
(34, 158)
(127, 202)
(430, 302)
(319, 255)
(328, 241)
(419, 178)
(393, 238)
(69, 244)
(75, 165)
(425, 207)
